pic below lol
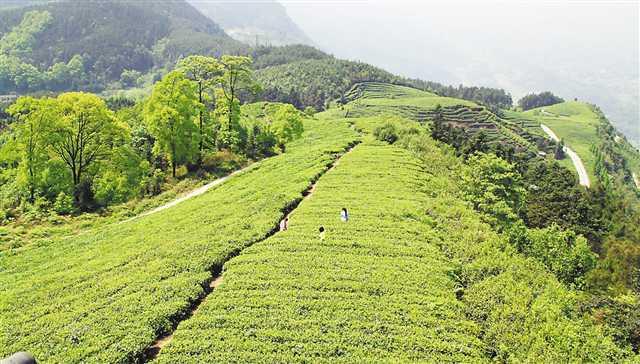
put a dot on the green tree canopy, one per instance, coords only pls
(84, 133)
(32, 132)
(169, 114)
(494, 187)
(206, 73)
(286, 125)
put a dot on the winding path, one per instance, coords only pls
(583, 176)
(196, 192)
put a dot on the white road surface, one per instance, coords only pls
(583, 176)
(197, 192)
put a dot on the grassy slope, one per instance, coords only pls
(576, 124)
(377, 289)
(374, 290)
(378, 94)
(105, 295)
(376, 98)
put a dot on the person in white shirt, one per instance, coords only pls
(344, 215)
(284, 224)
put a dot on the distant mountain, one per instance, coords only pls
(110, 36)
(253, 22)
(5, 4)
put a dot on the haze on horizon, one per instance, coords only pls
(584, 50)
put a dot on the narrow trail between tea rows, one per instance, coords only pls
(152, 352)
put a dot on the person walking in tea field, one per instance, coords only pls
(344, 215)
(321, 233)
(284, 224)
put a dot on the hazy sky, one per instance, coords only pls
(578, 49)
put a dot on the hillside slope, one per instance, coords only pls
(585, 129)
(383, 285)
(373, 290)
(105, 295)
(254, 23)
(375, 98)
(111, 36)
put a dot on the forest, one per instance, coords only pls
(79, 152)
(533, 101)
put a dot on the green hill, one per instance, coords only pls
(320, 80)
(374, 98)
(109, 36)
(586, 130)
(413, 276)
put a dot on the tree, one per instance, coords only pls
(169, 114)
(129, 78)
(228, 115)
(34, 116)
(495, 189)
(559, 150)
(532, 101)
(205, 72)
(286, 125)
(84, 133)
(237, 77)
(564, 253)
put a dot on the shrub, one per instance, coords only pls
(563, 252)
(310, 111)
(386, 133)
(152, 184)
(63, 204)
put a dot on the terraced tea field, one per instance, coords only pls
(104, 296)
(374, 99)
(375, 289)
(414, 276)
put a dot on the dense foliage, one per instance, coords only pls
(266, 56)
(90, 45)
(495, 98)
(73, 149)
(533, 101)
(315, 82)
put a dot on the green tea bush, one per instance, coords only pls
(63, 204)
(374, 290)
(105, 295)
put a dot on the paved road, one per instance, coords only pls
(577, 162)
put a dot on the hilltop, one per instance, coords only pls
(254, 23)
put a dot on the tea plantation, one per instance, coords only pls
(375, 289)
(105, 295)
(414, 276)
